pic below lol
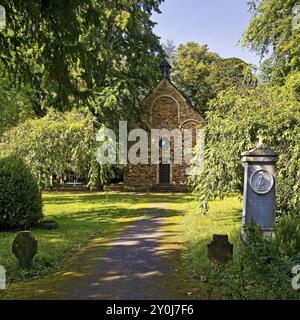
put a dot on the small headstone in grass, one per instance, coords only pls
(219, 250)
(25, 247)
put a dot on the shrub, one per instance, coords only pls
(20, 197)
(263, 268)
(288, 234)
(57, 142)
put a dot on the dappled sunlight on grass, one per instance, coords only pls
(79, 217)
(223, 217)
(89, 224)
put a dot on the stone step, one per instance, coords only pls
(167, 189)
(115, 187)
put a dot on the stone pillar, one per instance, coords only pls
(259, 187)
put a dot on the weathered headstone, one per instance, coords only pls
(220, 250)
(259, 188)
(25, 247)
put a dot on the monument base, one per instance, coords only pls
(268, 233)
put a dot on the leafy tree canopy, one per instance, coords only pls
(233, 122)
(229, 72)
(271, 34)
(15, 105)
(191, 70)
(98, 53)
(202, 74)
(55, 143)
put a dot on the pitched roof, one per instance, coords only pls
(189, 103)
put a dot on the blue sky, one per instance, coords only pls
(217, 23)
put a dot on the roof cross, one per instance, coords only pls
(261, 139)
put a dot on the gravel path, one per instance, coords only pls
(136, 265)
(132, 268)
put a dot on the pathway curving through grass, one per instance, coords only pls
(123, 246)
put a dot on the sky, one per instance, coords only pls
(217, 23)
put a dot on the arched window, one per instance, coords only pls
(164, 144)
(165, 151)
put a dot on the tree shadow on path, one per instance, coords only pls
(130, 264)
(132, 268)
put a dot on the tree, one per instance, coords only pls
(233, 122)
(103, 54)
(170, 51)
(15, 105)
(191, 70)
(202, 74)
(56, 143)
(271, 34)
(227, 73)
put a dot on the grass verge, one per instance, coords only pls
(80, 217)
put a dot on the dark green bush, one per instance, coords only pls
(20, 197)
(288, 234)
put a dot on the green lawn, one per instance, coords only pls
(79, 216)
(224, 217)
(194, 231)
(83, 215)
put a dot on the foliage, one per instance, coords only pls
(20, 198)
(170, 51)
(271, 34)
(233, 122)
(227, 73)
(191, 70)
(263, 267)
(202, 74)
(288, 234)
(14, 106)
(103, 54)
(56, 143)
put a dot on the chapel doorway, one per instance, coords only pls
(164, 166)
(164, 173)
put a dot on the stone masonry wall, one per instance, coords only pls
(164, 108)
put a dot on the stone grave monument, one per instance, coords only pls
(259, 188)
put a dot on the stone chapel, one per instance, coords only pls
(164, 108)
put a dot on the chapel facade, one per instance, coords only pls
(165, 108)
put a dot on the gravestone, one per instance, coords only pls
(25, 247)
(259, 188)
(220, 250)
